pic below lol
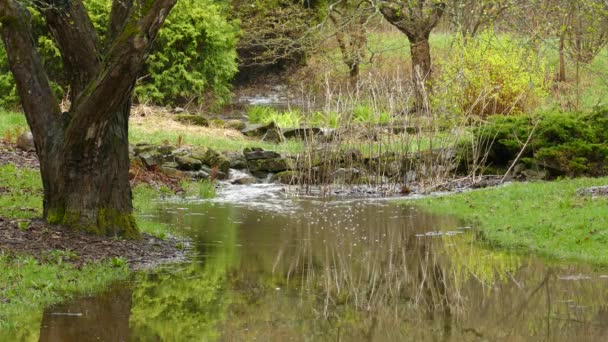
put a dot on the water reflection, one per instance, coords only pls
(340, 271)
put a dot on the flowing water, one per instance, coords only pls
(270, 267)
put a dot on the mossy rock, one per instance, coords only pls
(217, 123)
(235, 124)
(269, 165)
(188, 164)
(212, 158)
(190, 119)
(287, 177)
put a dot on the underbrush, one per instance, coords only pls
(562, 143)
(547, 218)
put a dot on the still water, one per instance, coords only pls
(270, 267)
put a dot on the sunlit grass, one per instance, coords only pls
(547, 218)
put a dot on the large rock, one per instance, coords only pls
(268, 165)
(185, 163)
(212, 159)
(190, 119)
(25, 142)
(302, 132)
(267, 132)
(151, 159)
(260, 154)
(237, 160)
(286, 177)
(235, 124)
(141, 148)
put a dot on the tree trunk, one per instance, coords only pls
(421, 70)
(84, 156)
(88, 188)
(561, 75)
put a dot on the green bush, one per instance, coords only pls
(194, 53)
(266, 115)
(491, 75)
(569, 144)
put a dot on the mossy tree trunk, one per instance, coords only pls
(83, 153)
(416, 19)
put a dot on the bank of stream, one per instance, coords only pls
(272, 267)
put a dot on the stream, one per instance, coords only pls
(272, 267)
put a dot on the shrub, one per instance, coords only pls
(266, 115)
(564, 143)
(194, 53)
(491, 75)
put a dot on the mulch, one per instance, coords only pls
(40, 239)
(9, 154)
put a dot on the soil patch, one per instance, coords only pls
(11, 155)
(42, 240)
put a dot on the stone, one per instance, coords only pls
(190, 119)
(140, 148)
(237, 160)
(151, 159)
(212, 159)
(302, 132)
(185, 163)
(166, 149)
(261, 154)
(268, 165)
(257, 130)
(235, 124)
(286, 177)
(25, 142)
(245, 181)
(346, 175)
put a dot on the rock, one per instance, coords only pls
(215, 173)
(268, 165)
(245, 181)
(595, 191)
(217, 123)
(200, 175)
(191, 119)
(178, 110)
(235, 124)
(212, 159)
(286, 177)
(346, 175)
(261, 154)
(170, 169)
(25, 142)
(267, 132)
(166, 149)
(185, 163)
(302, 132)
(140, 148)
(237, 160)
(151, 159)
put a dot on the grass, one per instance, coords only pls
(28, 286)
(546, 218)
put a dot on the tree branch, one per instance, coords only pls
(38, 100)
(123, 64)
(121, 11)
(76, 38)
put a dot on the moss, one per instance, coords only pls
(114, 222)
(55, 215)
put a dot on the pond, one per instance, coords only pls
(272, 267)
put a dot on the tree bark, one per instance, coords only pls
(84, 157)
(421, 70)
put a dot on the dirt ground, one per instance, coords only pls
(41, 241)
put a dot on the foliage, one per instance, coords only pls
(570, 143)
(546, 218)
(367, 114)
(195, 52)
(326, 119)
(492, 75)
(27, 286)
(266, 115)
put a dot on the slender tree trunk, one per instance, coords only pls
(561, 75)
(421, 70)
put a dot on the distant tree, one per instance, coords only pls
(472, 16)
(83, 153)
(349, 19)
(416, 19)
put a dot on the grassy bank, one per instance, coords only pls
(28, 285)
(548, 219)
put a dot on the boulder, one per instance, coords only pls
(286, 177)
(237, 160)
(302, 132)
(25, 142)
(245, 181)
(212, 159)
(185, 163)
(140, 148)
(267, 132)
(268, 165)
(151, 159)
(235, 124)
(261, 154)
(190, 119)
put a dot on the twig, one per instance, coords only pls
(520, 152)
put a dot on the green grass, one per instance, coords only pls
(27, 286)
(11, 123)
(546, 218)
(20, 192)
